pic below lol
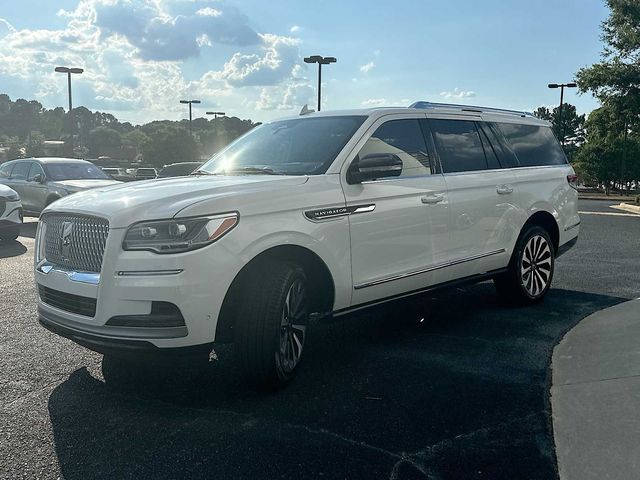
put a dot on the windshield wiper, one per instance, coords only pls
(258, 170)
(201, 172)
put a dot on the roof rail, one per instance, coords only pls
(469, 108)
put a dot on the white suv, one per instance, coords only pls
(316, 215)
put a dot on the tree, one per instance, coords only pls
(571, 130)
(169, 144)
(103, 140)
(615, 81)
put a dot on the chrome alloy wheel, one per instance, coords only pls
(536, 265)
(293, 326)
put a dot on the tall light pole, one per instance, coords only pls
(190, 119)
(561, 87)
(215, 114)
(69, 71)
(320, 60)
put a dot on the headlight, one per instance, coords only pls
(178, 235)
(12, 197)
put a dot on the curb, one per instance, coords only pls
(627, 207)
(594, 396)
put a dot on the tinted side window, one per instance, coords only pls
(20, 171)
(490, 153)
(403, 138)
(35, 170)
(5, 170)
(533, 145)
(505, 155)
(459, 146)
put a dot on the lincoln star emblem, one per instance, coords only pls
(65, 239)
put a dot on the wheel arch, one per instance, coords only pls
(548, 221)
(322, 283)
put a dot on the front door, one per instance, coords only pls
(399, 224)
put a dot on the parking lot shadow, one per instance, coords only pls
(453, 385)
(11, 249)
(29, 228)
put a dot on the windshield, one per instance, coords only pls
(74, 171)
(302, 146)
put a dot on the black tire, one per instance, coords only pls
(9, 234)
(268, 343)
(530, 270)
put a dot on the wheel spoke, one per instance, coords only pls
(293, 329)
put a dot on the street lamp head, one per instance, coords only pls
(184, 101)
(69, 70)
(327, 60)
(572, 85)
(553, 85)
(195, 101)
(313, 59)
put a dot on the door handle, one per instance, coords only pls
(431, 199)
(504, 189)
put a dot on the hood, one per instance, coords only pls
(84, 183)
(6, 191)
(127, 203)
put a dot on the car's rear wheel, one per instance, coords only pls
(530, 271)
(9, 234)
(272, 324)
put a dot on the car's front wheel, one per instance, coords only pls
(272, 324)
(530, 271)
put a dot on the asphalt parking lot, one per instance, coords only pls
(452, 385)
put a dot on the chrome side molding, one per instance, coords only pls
(426, 270)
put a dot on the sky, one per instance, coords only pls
(245, 57)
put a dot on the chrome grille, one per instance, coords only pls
(85, 241)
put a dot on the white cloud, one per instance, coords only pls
(374, 102)
(294, 29)
(209, 12)
(458, 94)
(136, 59)
(5, 27)
(280, 57)
(367, 67)
(159, 35)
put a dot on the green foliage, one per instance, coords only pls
(102, 140)
(25, 125)
(168, 144)
(612, 152)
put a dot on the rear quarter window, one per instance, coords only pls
(533, 145)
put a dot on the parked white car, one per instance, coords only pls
(10, 214)
(316, 215)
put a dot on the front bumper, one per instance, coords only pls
(12, 215)
(114, 344)
(128, 286)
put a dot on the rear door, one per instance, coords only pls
(482, 197)
(399, 224)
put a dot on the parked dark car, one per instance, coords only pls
(118, 173)
(181, 169)
(146, 173)
(40, 181)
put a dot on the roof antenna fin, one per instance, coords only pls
(305, 110)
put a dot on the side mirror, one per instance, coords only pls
(373, 167)
(38, 178)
